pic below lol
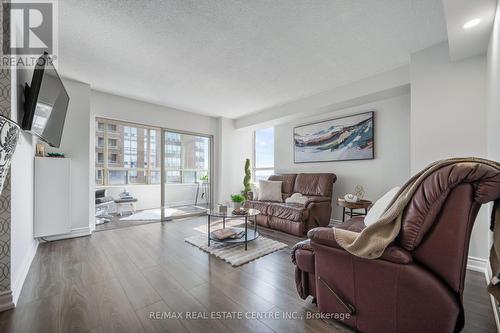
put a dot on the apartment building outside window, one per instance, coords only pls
(186, 158)
(123, 153)
(263, 154)
(131, 154)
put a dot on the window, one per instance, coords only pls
(100, 158)
(186, 157)
(263, 161)
(173, 177)
(113, 159)
(111, 143)
(99, 176)
(126, 153)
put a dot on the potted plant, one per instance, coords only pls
(247, 187)
(204, 179)
(237, 200)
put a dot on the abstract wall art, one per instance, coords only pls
(339, 139)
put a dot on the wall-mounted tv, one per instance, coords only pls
(46, 103)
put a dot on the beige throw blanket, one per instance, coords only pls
(297, 198)
(372, 241)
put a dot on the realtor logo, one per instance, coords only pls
(33, 28)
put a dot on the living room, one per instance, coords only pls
(251, 166)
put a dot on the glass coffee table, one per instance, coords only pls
(249, 234)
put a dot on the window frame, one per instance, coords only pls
(106, 166)
(254, 159)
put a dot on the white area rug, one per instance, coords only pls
(235, 254)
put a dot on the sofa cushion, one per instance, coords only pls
(292, 212)
(103, 200)
(380, 206)
(270, 190)
(288, 182)
(262, 220)
(355, 224)
(261, 206)
(290, 227)
(316, 184)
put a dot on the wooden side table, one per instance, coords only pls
(360, 204)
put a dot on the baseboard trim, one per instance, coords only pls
(185, 203)
(17, 285)
(477, 264)
(333, 222)
(6, 301)
(79, 232)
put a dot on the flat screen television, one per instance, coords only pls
(46, 103)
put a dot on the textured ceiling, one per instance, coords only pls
(231, 58)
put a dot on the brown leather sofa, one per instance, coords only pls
(297, 219)
(417, 285)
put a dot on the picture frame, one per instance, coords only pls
(346, 138)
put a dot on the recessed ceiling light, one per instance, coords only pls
(472, 23)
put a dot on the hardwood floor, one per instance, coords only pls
(114, 281)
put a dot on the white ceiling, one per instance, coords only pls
(234, 57)
(465, 43)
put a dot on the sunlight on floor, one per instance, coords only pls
(172, 212)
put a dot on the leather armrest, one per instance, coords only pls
(397, 255)
(304, 245)
(324, 236)
(313, 200)
(393, 253)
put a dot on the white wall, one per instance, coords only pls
(150, 198)
(494, 91)
(370, 89)
(121, 108)
(182, 194)
(23, 245)
(235, 146)
(493, 117)
(448, 117)
(148, 195)
(391, 166)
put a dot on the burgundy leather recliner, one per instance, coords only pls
(417, 285)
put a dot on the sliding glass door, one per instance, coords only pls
(187, 174)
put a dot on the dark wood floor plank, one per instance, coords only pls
(136, 287)
(78, 307)
(45, 276)
(113, 280)
(179, 299)
(115, 311)
(232, 314)
(154, 321)
(42, 315)
(286, 325)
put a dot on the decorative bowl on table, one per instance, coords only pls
(351, 198)
(241, 211)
